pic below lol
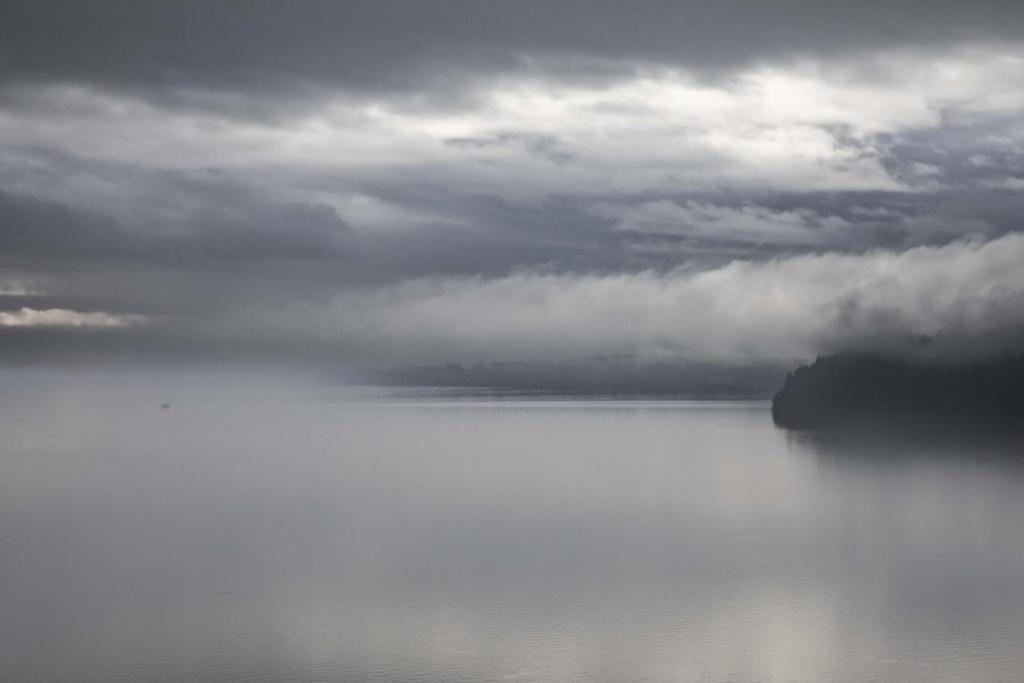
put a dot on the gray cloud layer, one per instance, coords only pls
(396, 182)
(389, 45)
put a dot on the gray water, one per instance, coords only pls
(429, 539)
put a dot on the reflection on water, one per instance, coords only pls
(511, 540)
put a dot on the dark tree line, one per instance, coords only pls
(849, 389)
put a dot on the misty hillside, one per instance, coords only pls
(848, 389)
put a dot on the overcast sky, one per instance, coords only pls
(379, 183)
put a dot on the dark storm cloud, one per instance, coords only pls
(391, 45)
(128, 214)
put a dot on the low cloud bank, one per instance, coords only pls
(959, 300)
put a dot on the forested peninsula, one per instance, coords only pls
(858, 389)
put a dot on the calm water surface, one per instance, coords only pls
(420, 539)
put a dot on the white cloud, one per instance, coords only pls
(15, 288)
(61, 317)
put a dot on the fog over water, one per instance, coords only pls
(272, 532)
